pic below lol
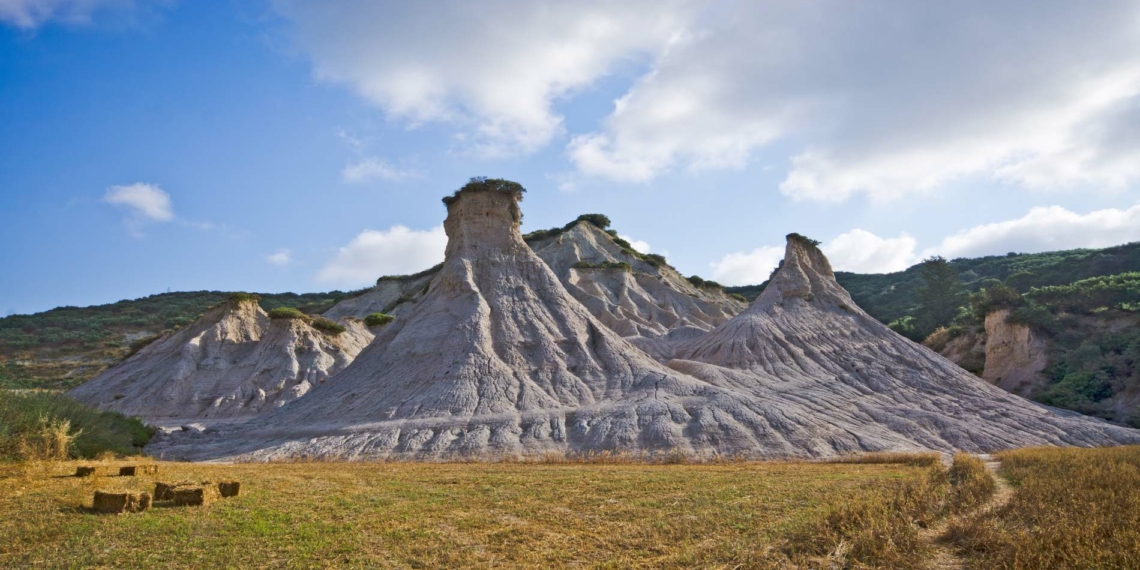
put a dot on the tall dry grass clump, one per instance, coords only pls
(970, 484)
(1071, 509)
(878, 525)
(916, 459)
(49, 439)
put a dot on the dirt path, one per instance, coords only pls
(942, 555)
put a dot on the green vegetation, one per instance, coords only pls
(1071, 509)
(738, 297)
(618, 265)
(599, 220)
(804, 239)
(287, 313)
(484, 184)
(697, 281)
(243, 297)
(939, 296)
(378, 319)
(427, 271)
(43, 425)
(327, 326)
(1091, 359)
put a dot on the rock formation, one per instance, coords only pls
(628, 294)
(392, 295)
(233, 362)
(498, 358)
(805, 342)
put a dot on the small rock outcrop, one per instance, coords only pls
(631, 296)
(233, 362)
(1015, 355)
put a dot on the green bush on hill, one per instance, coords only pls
(44, 425)
(378, 319)
(327, 326)
(287, 313)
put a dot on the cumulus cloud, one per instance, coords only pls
(369, 169)
(747, 268)
(1044, 229)
(886, 98)
(31, 14)
(145, 203)
(281, 257)
(861, 251)
(372, 254)
(639, 246)
(491, 69)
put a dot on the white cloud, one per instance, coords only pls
(1044, 229)
(747, 268)
(492, 69)
(861, 251)
(858, 251)
(31, 14)
(638, 245)
(886, 98)
(372, 254)
(374, 168)
(144, 202)
(281, 257)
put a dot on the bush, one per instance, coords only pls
(738, 297)
(906, 326)
(287, 313)
(241, 297)
(378, 319)
(696, 280)
(804, 239)
(43, 425)
(327, 326)
(600, 220)
(484, 184)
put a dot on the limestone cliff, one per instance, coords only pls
(1016, 356)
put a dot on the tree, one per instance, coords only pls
(940, 294)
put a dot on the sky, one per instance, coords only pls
(304, 145)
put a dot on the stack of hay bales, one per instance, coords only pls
(195, 494)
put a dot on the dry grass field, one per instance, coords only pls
(1071, 509)
(433, 515)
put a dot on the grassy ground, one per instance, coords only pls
(434, 515)
(1071, 509)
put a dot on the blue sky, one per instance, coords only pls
(299, 145)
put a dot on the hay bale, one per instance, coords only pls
(194, 496)
(88, 471)
(229, 488)
(115, 503)
(133, 470)
(164, 491)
